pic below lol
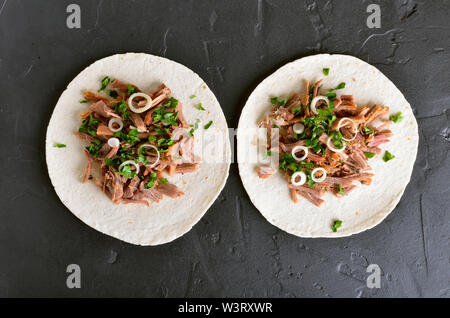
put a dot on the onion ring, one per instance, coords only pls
(113, 121)
(322, 178)
(296, 148)
(344, 119)
(113, 142)
(302, 178)
(157, 153)
(140, 109)
(315, 100)
(298, 128)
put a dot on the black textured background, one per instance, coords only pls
(232, 251)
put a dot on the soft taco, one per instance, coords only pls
(339, 145)
(122, 148)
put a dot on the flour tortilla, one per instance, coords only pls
(365, 206)
(136, 223)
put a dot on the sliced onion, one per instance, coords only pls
(297, 148)
(332, 147)
(344, 119)
(322, 178)
(298, 128)
(315, 100)
(140, 109)
(113, 121)
(113, 142)
(302, 180)
(157, 153)
(129, 162)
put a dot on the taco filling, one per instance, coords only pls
(135, 140)
(325, 141)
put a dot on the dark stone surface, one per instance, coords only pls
(232, 251)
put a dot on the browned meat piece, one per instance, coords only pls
(186, 168)
(113, 185)
(264, 172)
(376, 112)
(103, 130)
(144, 193)
(103, 110)
(138, 122)
(88, 169)
(83, 136)
(170, 190)
(131, 187)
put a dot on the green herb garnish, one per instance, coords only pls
(127, 172)
(388, 156)
(276, 102)
(326, 71)
(208, 124)
(340, 86)
(369, 155)
(84, 101)
(59, 145)
(105, 83)
(192, 96)
(336, 224)
(396, 118)
(199, 107)
(368, 131)
(340, 190)
(172, 103)
(94, 147)
(131, 90)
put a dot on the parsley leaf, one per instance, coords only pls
(336, 224)
(340, 86)
(105, 83)
(276, 102)
(326, 71)
(388, 156)
(127, 172)
(208, 124)
(131, 90)
(340, 190)
(396, 118)
(369, 155)
(199, 107)
(192, 96)
(368, 131)
(172, 103)
(59, 145)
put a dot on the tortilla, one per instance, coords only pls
(364, 207)
(135, 223)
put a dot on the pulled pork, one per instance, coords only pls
(132, 160)
(338, 125)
